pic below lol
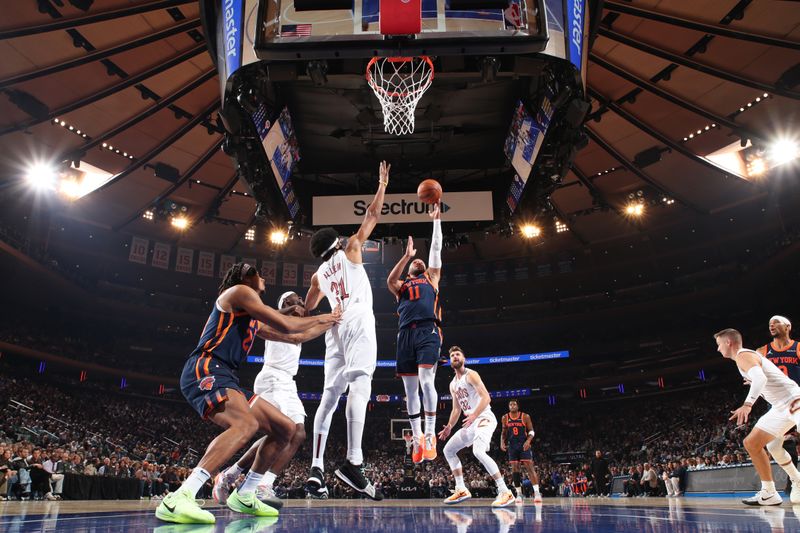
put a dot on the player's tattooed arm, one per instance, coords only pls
(242, 297)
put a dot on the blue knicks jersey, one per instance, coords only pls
(227, 337)
(418, 300)
(787, 360)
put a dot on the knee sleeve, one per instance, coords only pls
(358, 397)
(411, 386)
(427, 378)
(487, 462)
(450, 453)
(775, 449)
(327, 406)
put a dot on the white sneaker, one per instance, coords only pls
(794, 497)
(763, 497)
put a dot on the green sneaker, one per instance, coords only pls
(249, 504)
(180, 507)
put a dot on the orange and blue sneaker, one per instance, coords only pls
(459, 495)
(429, 447)
(504, 499)
(418, 450)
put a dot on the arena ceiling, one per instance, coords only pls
(129, 87)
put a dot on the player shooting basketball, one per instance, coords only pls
(419, 340)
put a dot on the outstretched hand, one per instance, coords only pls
(444, 433)
(384, 173)
(436, 212)
(410, 250)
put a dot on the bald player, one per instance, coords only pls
(783, 351)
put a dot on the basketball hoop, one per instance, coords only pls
(399, 83)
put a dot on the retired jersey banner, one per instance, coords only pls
(289, 278)
(161, 253)
(138, 250)
(184, 260)
(205, 264)
(225, 263)
(269, 272)
(402, 208)
(308, 271)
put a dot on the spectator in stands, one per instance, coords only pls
(649, 480)
(6, 473)
(632, 485)
(21, 481)
(54, 466)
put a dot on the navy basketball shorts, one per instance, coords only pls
(516, 453)
(418, 345)
(205, 382)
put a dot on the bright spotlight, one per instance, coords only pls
(634, 209)
(278, 237)
(41, 177)
(250, 234)
(180, 223)
(71, 189)
(784, 150)
(530, 231)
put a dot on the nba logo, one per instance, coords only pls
(207, 383)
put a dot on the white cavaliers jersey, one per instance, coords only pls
(282, 356)
(346, 283)
(779, 390)
(467, 397)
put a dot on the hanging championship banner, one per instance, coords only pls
(225, 263)
(205, 264)
(184, 260)
(160, 255)
(289, 278)
(308, 271)
(268, 272)
(139, 250)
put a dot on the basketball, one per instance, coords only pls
(429, 191)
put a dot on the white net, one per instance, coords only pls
(399, 83)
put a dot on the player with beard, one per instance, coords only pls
(515, 438)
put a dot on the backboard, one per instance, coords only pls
(286, 33)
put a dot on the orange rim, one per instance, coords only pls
(397, 59)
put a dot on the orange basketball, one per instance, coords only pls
(429, 191)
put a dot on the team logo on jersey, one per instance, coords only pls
(207, 383)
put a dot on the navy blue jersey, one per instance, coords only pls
(227, 337)
(516, 432)
(787, 360)
(418, 301)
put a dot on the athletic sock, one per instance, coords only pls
(768, 486)
(536, 489)
(416, 425)
(501, 485)
(269, 479)
(430, 424)
(460, 482)
(233, 471)
(250, 483)
(195, 480)
(320, 439)
(355, 432)
(792, 472)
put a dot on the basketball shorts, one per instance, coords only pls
(351, 349)
(778, 421)
(205, 382)
(280, 389)
(478, 434)
(418, 345)
(516, 453)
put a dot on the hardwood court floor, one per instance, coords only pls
(651, 515)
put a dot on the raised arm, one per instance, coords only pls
(353, 250)
(393, 282)
(245, 298)
(314, 294)
(435, 256)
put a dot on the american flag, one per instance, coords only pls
(296, 30)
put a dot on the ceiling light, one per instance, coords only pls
(148, 215)
(530, 231)
(250, 234)
(41, 176)
(180, 223)
(278, 237)
(634, 209)
(783, 150)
